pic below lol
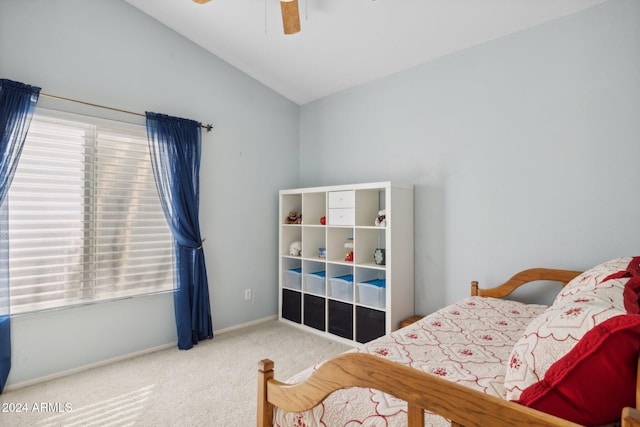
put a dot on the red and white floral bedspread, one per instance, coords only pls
(468, 342)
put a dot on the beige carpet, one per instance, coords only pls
(213, 384)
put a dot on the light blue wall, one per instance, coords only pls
(523, 151)
(107, 52)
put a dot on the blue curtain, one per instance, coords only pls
(17, 102)
(175, 145)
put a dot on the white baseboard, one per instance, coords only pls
(245, 325)
(124, 357)
(87, 367)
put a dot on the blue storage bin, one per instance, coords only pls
(293, 278)
(372, 293)
(342, 287)
(315, 282)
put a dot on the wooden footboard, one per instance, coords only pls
(630, 417)
(422, 391)
(462, 405)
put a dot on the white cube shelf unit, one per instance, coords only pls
(321, 287)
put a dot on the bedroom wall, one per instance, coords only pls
(109, 53)
(523, 151)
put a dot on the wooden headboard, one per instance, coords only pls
(525, 276)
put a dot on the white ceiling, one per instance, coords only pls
(344, 43)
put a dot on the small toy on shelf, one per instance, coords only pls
(295, 248)
(294, 218)
(349, 245)
(381, 219)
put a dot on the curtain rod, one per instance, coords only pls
(207, 127)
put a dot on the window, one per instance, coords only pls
(85, 220)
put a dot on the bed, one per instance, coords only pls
(485, 361)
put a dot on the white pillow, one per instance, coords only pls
(593, 277)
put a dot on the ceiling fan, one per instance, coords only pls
(290, 15)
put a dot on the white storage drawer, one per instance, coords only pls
(342, 216)
(342, 199)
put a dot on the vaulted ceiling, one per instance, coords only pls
(344, 43)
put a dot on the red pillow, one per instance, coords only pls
(593, 382)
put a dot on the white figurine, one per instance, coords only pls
(295, 248)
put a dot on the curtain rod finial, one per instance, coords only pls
(209, 128)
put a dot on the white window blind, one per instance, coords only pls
(85, 220)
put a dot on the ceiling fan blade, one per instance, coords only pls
(290, 16)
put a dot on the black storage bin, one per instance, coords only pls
(341, 319)
(314, 311)
(292, 305)
(370, 324)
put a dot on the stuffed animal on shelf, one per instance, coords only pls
(295, 248)
(381, 219)
(294, 218)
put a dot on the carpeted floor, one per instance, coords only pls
(213, 384)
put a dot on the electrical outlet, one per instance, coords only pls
(247, 294)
